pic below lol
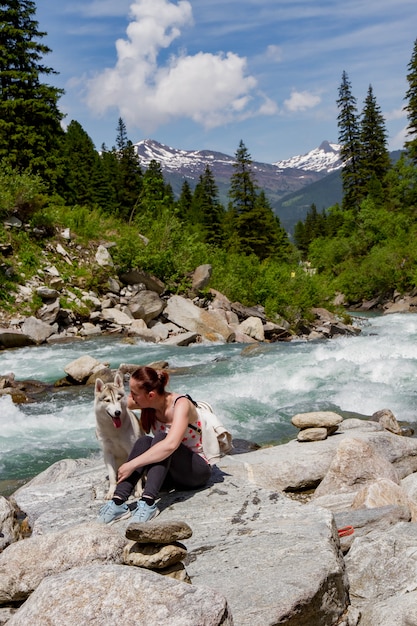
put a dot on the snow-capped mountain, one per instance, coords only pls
(291, 185)
(276, 179)
(324, 158)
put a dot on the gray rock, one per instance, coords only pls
(115, 316)
(10, 338)
(48, 313)
(103, 257)
(208, 324)
(234, 523)
(366, 521)
(253, 327)
(316, 419)
(135, 277)
(383, 566)
(355, 463)
(37, 329)
(146, 305)
(201, 277)
(181, 339)
(387, 419)
(26, 563)
(312, 434)
(159, 531)
(10, 530)
(400, 610)
(153, 555)
(46, 293)
(83, 368)
(116, 594)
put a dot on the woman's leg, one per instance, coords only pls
(184, 469)
(125, 488)
(156, 473)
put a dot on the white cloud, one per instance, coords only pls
(396, 114)
(397, 142)
(301, 100)
(274, 53)
(211, 89)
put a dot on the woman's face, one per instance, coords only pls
(140, 397)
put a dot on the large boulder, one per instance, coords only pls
(37, 330)
(116, 594)
(26, 563)
(146, 305)
(209, 324)
(11, 338)
(137, 277)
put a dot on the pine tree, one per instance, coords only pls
(30, 121)
(155, 195)
(81, 164)
(185, 202)
(242, 190)
(207, 209)
(257, 229)
(130, 177)
(374, 160)
(242, 194)
(411, 106)
(107, 176)
(350, 146)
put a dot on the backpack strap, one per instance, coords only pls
(188, 398)
(193, 426)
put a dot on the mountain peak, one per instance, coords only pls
(324, 158)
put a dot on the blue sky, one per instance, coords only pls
(204, 74)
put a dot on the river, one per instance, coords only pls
(254, 392)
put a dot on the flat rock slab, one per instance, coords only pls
(248, 543)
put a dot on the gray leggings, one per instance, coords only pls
(183, 469)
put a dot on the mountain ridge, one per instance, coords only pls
(290, 178)
(325, 158)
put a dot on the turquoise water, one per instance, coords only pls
(255, 392)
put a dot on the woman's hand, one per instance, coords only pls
(125, 471)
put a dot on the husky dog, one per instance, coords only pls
(117, 427)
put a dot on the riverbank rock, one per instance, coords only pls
(120, 302)
(248, 541)
(317, 425)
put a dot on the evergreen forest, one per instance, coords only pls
(53, 177)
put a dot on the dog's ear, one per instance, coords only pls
(99, 384)
(118, 379)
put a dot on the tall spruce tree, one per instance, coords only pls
(207, 209)
(411, 106)
(156, 195)
(184, 202)
(374, 160)
(80, 166)
(257, 230)
(130, 177)
(30, 121)
(348, 124)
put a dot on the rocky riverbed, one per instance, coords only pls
(309, 533)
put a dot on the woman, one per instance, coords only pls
(173, 456)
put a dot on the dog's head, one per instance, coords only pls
(110, 400)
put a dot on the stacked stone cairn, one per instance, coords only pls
(317, 425)
(156, 546)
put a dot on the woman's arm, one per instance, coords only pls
(164, 448)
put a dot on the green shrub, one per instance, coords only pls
(21, 194)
